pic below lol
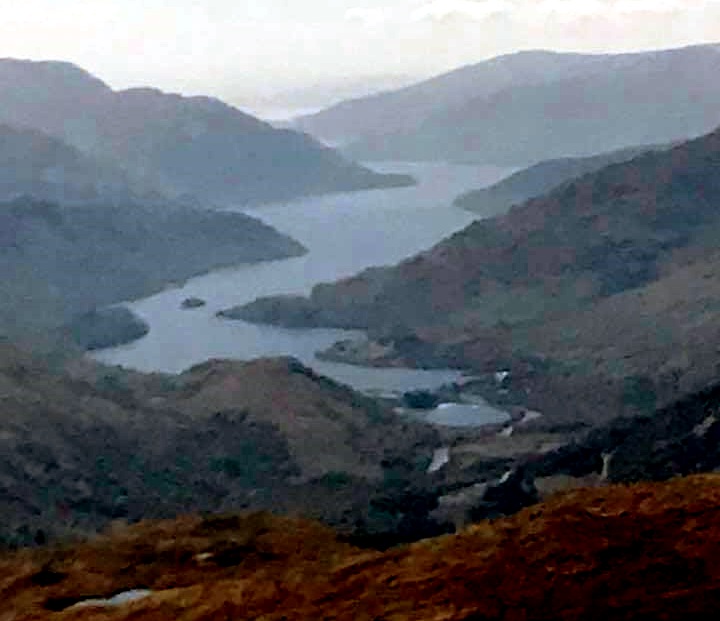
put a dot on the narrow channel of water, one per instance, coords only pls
(344, 234)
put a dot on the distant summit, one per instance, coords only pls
(523, 108)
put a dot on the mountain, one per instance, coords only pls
(35, 164)
(544, 107)
(177, 145)
(402, 110)
(61, 261)
(83, 445)
(539, 179)
(638, 552)
(600, 297)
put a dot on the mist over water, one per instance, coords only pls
(344, 233)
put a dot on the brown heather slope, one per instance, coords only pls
(80, 449)
(640, 552)
(566, 262)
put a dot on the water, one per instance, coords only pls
(344, 234)
(465, 415)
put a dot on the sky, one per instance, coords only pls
(295, 53)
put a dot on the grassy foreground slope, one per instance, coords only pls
(640, 552)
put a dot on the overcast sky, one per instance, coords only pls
(245, 49)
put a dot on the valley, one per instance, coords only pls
(444, 351)
(544, 291)
(343, 234)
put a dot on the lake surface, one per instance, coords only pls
(344, 234)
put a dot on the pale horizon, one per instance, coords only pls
(273, 56)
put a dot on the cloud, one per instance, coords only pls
(585, 8)
(479, 10)
(472, 9)
(369, 16)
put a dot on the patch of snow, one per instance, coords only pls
(506, 432)
(607, 458)
(120, 599)
(501, 376)
(702, 429)
(530, 416)
(441, 458)
(505, 477)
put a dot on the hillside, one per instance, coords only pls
(641, 552)
(543, 457)
(60, 261)
(90, 444)
(577, 292)
(177, 145)
(404, 109)
(539, 179)
(84, 445)
(535, 107)
(35, 164)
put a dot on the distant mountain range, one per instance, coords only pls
(528, 107)
(175, 145)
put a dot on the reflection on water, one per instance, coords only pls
(344, 234)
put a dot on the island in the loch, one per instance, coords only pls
(192, 303)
